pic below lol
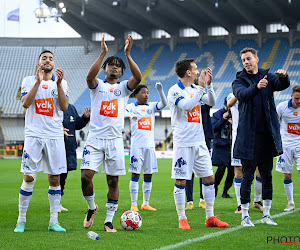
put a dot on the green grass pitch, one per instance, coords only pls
(159, 229)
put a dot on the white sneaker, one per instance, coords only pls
(246, 222)
(62, 209)
(268, 220)
(289, 207)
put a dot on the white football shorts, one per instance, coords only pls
(47, 155)
(234, 162)
(110, 152)
(187, 160)
(142, 159)
(285, 161)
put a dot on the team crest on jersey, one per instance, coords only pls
(117, 92)
(54, 93)
(295, 113)
(149, 111)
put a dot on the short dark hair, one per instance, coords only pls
(182, 66)
(138, 89)
(247, 49)
(296, 88)
(115, 60)
(43, 52)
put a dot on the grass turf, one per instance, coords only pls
(159, 228)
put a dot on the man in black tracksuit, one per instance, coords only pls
(72, 121)
(258, 135)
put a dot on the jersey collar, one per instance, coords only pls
(52, 78)
(182, 86)
(136, 104)
(118, 82)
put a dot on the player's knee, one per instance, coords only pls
(29, 178)
(287, 176)
(112, 182)
(86, 177)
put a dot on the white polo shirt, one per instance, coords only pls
(44, 117)
(108, 102)
(142, 130)
(289, 119)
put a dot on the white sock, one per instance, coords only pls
(289, 189)
(134, 190)
(147, 187)
(257, 189)
(112, 207)
(201, 200)
(179, 198)
(267, 206)
(25, 195)
(245, 209)
(237, 187)
(208, 190)
(54, 196)
(90, 200)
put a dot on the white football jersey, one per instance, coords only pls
(187, 125)
(289, 119)
(234, 112)
(44, 117)
(142, 130)
(108, 102)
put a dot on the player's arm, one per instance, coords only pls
(281, 81)
(91, 78)
(231, 102)
(279, 110)
(28, 99)
(136, 78)
(242, 92)
(186, 105)
(163, 99)
(210, 97)
(129, 113)
(82, 121)
(63, 101)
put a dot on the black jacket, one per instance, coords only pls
(245, 91)
(73, 122)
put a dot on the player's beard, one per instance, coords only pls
(47, 70)
(113, 76)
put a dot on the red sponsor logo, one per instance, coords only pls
(293, 128)
(111, 90)
(109, 108)
(143, 110)
(145, 123)
(44, 106)
(295, 113)
(194, 114)
(45, 86)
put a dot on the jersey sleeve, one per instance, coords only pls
(26, 86)
(124, 88)
(174, 96)
(66, 89)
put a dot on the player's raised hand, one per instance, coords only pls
(158, 86)
(201, 79)
(39, 73)
(60, 75)
(208, 75)
(263, 83)
(128, 44)
(104, 48)
(281, 73)
(87, 112)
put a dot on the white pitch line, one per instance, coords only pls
(228, 230)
